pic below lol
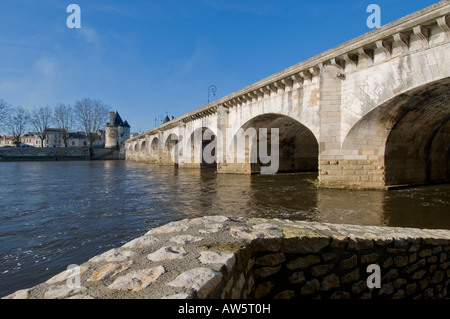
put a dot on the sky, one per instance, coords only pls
(146, 59)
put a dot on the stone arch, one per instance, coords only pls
(154, 145)
(386, 80)
(201, 148)
(407, 139)
(143, 148)
(170, 149)
(298, 147)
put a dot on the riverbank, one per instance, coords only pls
(58, 154)
(255, 258)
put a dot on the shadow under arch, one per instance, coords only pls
(407, 136)
(154, 145)
(298, 147)
(143, 150)
(170, 150)
(202, 144)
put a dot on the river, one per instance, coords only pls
(53, 214)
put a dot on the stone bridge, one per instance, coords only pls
(373, 112)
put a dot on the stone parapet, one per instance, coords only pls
(237, 258)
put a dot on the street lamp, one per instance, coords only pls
(212, 89)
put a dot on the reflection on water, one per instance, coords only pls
(53, 214)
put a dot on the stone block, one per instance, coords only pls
(305, 245)
(303, 262)
(297, 278)
(330, 282)
(321, 270)
(137, 280)
(217, 257)
(265, 272)
(263, 289)
(370, 258)
(328, 256)
(350, 277)
(425, 253)
(310, 287)
(349, 262)
(386, 289)
(359, 287)
(168, 252)
(108, 271)
(401, 261)
(360, 244)
(418, 274)
(390, 275)
(202, 280)
(271, 260)
(287, 294)
(400, 282)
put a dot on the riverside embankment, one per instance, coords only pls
(58, 154)
(254, 258)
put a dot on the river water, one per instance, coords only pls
(53, 214)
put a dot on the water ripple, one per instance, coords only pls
(53, 214)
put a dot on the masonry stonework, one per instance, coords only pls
(370, 113)
(238, 258)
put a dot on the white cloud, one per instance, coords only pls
(89, 35)
(35, 86)
(119, 10)
(192, 62)
(46, 67)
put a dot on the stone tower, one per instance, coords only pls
(117, 131)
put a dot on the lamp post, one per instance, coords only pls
(213, 89)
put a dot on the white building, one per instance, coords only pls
(54, 137)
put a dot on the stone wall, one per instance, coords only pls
(237, 258)
(106, 154)
(44, 154)
(59, 154)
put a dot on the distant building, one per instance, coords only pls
(54, 137)
(117, 131)
(100, 141)
(31, 139)
(7, 141)
(77, 140)
(166, 119)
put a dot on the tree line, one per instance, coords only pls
(86, 115)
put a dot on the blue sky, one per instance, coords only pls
(149, 58)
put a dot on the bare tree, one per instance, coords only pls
(63, 116)
(4, 113)
(92, 115)
(17, 123)
(40, 120)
